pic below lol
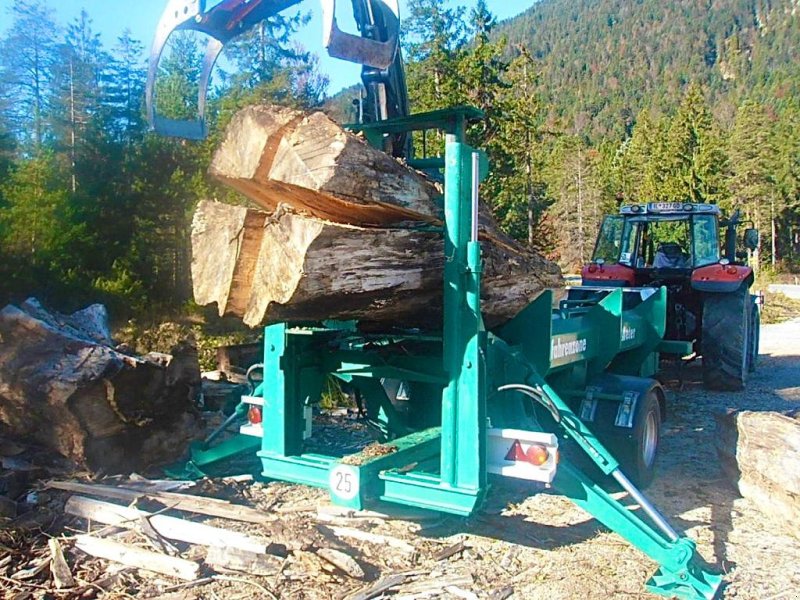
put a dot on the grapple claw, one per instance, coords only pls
(361, 49)
(222, 23)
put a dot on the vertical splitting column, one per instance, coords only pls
(463, 452)
(282, 411)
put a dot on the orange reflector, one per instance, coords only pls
(254, 415)
(536, 455)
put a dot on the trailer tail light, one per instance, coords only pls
(537, 454)
(522, 454)
(254, 415)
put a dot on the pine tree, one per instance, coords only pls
(125, 92)
(77, 95)
(695, 160)
(753, 165)
(27, 56)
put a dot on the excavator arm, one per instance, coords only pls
(375, 47)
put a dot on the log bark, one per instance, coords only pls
(62, 384)
(275, 155)
(760, 453)
(289, 267)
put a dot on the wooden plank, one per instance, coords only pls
(169, 527)
(184, 502)
(138, 558)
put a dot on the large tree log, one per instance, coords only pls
(62, 384)
(276, 155)
(760, 452)
(284, 266)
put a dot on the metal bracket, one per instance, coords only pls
(588, 410)
(627, 410)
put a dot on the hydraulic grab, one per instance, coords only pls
(376, 48)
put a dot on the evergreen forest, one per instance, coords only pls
(589, 104)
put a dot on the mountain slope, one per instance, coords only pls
(604, 60)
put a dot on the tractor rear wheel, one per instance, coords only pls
(726, 345)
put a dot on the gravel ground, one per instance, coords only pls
(538, 546)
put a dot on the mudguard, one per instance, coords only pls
(719, 278)
(608, 275)
(616, 417)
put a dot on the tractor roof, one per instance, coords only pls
(668, 208)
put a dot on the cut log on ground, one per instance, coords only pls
(62, 384)
(288, 267)
(274, 155)
(760, 452)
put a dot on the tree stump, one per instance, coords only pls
(65, 386)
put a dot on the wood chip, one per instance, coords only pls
(59, 569)
(345, 563)
(449, 551)
(502, 593)
(32, 571)
(373, 538)
(376, 589)
(138, 558)
(242, 561)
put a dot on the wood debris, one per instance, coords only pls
(138, 558)
(62, 575)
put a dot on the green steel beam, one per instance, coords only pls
(681, 572)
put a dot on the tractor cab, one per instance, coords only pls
(680, 246)
(656, 242)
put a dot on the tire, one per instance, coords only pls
(637, 454)
(725, 344)
(755, 337)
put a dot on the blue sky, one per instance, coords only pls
(111, 17)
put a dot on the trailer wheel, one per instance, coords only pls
(725, 345)
(755, 337)
(637, 455)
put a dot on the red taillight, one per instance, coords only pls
(254, 415)
(593, 268)
(731, 269)
(537, 455)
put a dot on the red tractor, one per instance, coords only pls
(679, 246)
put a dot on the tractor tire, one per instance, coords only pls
(755, 337)
(726, 346)
(637, 454)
